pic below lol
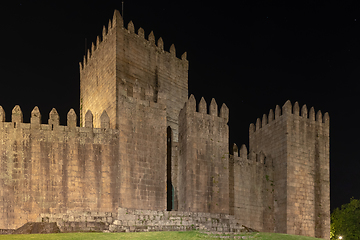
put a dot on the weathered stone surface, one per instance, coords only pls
(161, 76)
(143, 147)
(204, 163)
(6, 231)
(146, 220)
(48, 168)
(295, 193)
(37, 227)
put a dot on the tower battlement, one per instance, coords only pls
(117, 21)
(241, 156)
(54, 122)
(294, 111)
(191, 107)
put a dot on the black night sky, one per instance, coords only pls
(250, 55)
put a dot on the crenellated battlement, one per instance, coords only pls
(54, 122)
(294, 111)
(117, 22)
(242, 156)
(201, 108)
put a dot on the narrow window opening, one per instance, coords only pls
(169, 186)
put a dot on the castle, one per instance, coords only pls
(143, 144)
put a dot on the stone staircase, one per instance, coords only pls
(131, 220)
(146, 220)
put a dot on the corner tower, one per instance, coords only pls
(299, 146)
(123, 63)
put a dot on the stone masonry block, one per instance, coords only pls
(122, 211)
(90, 219)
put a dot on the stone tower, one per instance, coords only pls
(142, 88)
(299, 146)
(203, 158)
(124, 63)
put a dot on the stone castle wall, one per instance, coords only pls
(299, 145)
(253, 186)
(204, 162)
(47, 168)
(143, 144)
(142, 154)
(270, 139)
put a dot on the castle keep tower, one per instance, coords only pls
(123, 62)
(142, 88)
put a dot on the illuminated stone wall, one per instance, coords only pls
(204, 158)
(47, 168)
(299, 146)
(138, 126)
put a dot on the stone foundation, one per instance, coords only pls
(6, 231)
(129, 220)
(80, 221)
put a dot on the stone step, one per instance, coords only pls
(142, 220)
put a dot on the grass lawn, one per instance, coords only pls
(148, 235)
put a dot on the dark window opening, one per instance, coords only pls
(169, 186)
